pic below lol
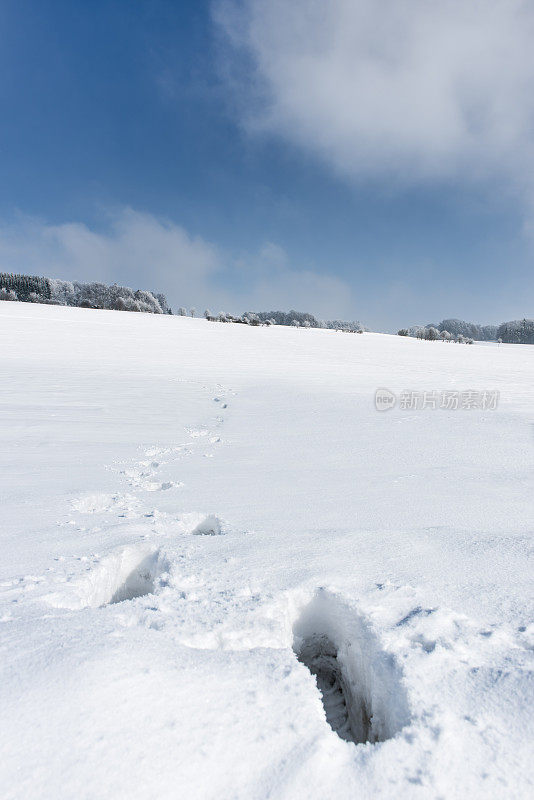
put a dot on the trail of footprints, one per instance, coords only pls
(359, 684)
(144, 474)
(133, 571)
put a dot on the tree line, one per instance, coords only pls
(306, 320)
(33, 289)
(514, 332)
(296, 319)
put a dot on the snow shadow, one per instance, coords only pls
(360, 684)
(124, 575)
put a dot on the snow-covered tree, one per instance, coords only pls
(519, 331)
(342, 325)
(193, 311)
(24, 285)
(30, 288)
(470, 330)
(63, 292)
(287, 317)
(147, 301)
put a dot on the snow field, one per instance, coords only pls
(225, 575)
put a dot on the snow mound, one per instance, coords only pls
(360, 684)
(128, 573)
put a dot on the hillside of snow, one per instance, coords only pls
(226, 576)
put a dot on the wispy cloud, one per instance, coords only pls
(418, 91)
(157, 254)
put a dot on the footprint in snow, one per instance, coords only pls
(156, 451)
(101, 503)
(196, 433)
(154, 486)
(360, 684)
(127, 573)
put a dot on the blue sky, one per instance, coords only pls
(181, 146)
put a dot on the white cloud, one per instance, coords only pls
(416, 91)
(140, 250)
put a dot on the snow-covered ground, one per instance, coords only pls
(197, 516)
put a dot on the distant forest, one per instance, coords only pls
(32, 289)
(514, 332)
(305, 320)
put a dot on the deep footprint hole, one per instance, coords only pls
(123, 575)
(360, 685)
(140, 582)
(347, 715)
